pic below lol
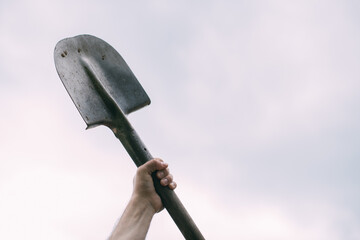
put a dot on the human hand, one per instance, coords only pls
(144, 202)
(144, 190)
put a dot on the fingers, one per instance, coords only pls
(154, 165)
(162, 172)
(166, 179)
(172, 185)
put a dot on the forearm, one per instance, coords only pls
(134, 222)
(144, 203)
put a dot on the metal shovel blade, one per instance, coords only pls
(88, 66)
(104, 90)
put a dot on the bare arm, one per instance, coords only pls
(144, 203)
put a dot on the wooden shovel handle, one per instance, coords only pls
(140, 155)
(178, 212)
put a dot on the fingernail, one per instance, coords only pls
(165, 181)
(160, 174)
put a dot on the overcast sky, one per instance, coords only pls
(255, 106)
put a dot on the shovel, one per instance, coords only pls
(104, 90)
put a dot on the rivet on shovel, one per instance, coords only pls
(104, 90)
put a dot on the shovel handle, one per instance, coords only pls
(140, 155)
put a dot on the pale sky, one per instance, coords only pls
(255, 106)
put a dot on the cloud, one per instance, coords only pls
(254, 105)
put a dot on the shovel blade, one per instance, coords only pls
(83, 63)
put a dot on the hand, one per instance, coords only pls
(144, 202)
(144, 190)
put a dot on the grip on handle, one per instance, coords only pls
(140, 155)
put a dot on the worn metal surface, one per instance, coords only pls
(104, 90)
(86, 63)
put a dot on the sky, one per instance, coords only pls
(255, 106)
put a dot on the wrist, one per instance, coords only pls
(135, 220)
(142, 204)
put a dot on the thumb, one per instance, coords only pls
(154, 165)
